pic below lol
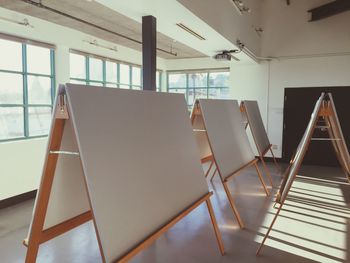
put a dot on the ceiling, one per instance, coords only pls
(103, 17)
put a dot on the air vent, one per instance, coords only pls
(189, 30)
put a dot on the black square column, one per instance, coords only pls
(149, 45)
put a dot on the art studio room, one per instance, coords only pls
(174, 131)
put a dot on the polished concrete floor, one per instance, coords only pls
(313, 226)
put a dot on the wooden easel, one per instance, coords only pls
(324, 111)
(38, 235)
(262, 152)
(196, 112)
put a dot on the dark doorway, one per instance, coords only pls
(298, 106)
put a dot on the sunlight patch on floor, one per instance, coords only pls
(313, 222)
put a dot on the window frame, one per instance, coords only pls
(25, 105)
(104, 82)
(193, 89)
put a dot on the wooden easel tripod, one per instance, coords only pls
(324, 112)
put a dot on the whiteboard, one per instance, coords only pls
(139, 158)
(296, 161)
(200, 135)
(256, 125)
(227, 136)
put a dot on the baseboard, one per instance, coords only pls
(14, 200)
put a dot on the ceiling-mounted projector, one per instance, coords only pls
(226, 55)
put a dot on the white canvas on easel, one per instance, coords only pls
(228, 141)
(250, 109)
(135, 153)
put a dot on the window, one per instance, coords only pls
(86, 69)
(26, 90)
(196, 85)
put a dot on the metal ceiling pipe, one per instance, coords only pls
(40, 5)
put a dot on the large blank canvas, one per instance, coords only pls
(256, 125)
(227, 136)
(139, 158)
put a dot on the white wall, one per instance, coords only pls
(22, 161)
(310, 72)
(306, 55)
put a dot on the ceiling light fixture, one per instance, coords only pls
(95, 43)
(24, 22)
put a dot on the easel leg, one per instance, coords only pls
(269, 230)
(207, 173)
(212, 177)
(233, 207)
(275, 161)
(266, 170)
(32, 252)
(215, 225)
(44, 193)
(261, 179)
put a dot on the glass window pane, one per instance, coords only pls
(77, 66)
(190, 97)
(136, 76)
(124, 74)
(124, 86)
(38, 60)
(111, 72)
(219, 93)
(11, 55)
(158, 79)
(74, 81)
(219, 79)
(11, 122)
(197, 80)
(177, 80)
(200, 93)
(111, 85)
(96, 70)
(96, 84)
(39, 119)
(39, 90)
(181, 91)
(11, 88)
(136, 87)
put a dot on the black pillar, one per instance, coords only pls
(149, 45)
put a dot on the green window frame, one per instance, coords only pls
(206, 88)
(119, 83)
(30, 109)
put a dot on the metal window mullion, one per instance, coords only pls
(104, 74)
(53, 76)
(187, 89)
(87, 70)
(130, 77)
(25, 91)
(208, 85)
(118, 75)
(160, 81)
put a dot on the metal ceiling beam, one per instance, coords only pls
(330, 9)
